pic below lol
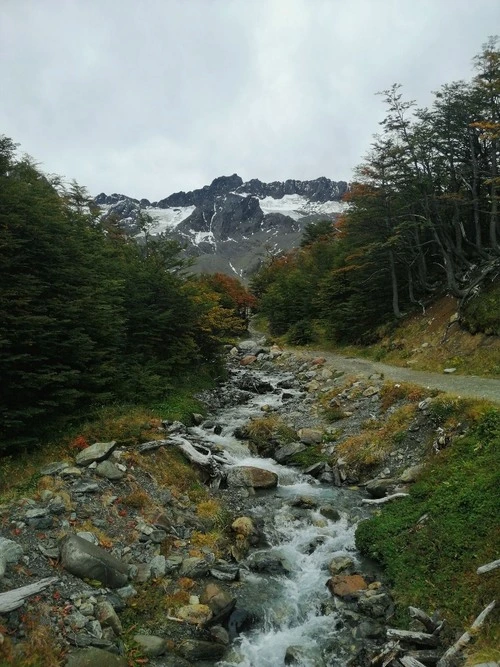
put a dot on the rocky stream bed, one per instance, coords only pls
(290, 588)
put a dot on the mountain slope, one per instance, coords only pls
(229, 225)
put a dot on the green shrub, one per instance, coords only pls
(482, 313)
(300, 333)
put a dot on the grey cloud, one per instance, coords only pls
(151, 97)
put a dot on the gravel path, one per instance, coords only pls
(462, 385)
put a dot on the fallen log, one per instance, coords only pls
(428, 657)
(409, 661)
(451, 657)
(409, 637)
(488, 567)
(381, 501)
(389, 652)
(15, 598)
(206, 462)
(429, 624)
(151, 445)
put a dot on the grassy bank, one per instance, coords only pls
(432, 543)
(128, 424)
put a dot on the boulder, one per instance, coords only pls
(249, 476)
(339, 564)
(10, 552)
(195, 614)
(287, 451)
(411, 474)
(329, 512)
(109, 470)
(376, 606)
(310, 436)
(194, 567)
(220, 601)
(377, 488)
(268, 563)
(88, 561)
(96, 452)
(150, 645)
(107, 617)
(95, 657)
(346, 585)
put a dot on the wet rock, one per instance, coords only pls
(150, 645)
(109, 470)
(377, 488)
(196, 650)
(316, 469)
(346, 585)
(250, 476)
(305, 502)
(220, 635)
(369, 630)
(96, 452)
(329, 512)
(376, 605)
(268, 563)
(217, 599)
(10, 552)
(239, 621)
(248, 359)
(95, 657)
(224, 571)
(295, 655)
(310, 436)
(197, 418)
(339, 564)
(88, 561)
(287, 451)
(195, 614)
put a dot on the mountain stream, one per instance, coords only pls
(284, 588)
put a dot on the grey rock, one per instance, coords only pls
(76, 620)
(220, 635)
(109, 470)
(196, 650)
(287, 451)
(316, 469)
(10, 552)
(194, 567)
(107, 617)
(96, 452)
(95, 657)
(377, 488)
(89, 537)
(329, 512)
(158, 566)
(339, 564)
(411, 474)
(151, 645)
(225, 571)
(250, 476)
(85, 487)
(310, 436)
(375, 606)
(70, 472)
(88, 561)
(54, 468)
(36, 513)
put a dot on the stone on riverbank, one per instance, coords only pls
(88, 561)
(250, 476)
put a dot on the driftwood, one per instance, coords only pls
(381, 501)
(408, 661)
(489, 567)
(429, 624)
(387, 655)
(15, 598)
(151, 445)
(426, 656)
(409, 637)
(204, 459)
(452, 654)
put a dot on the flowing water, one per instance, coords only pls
(294, 609)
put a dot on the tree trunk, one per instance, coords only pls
(394, 283)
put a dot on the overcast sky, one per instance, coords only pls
(147, 97)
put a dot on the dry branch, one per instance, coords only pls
(409, 637)
(451, 656)
(381, 501)
(13, 599)
(430, 625)
(489, 567)
(408, 661)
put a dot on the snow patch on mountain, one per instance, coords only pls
(168, 218)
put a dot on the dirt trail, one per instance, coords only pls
(462, 385)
